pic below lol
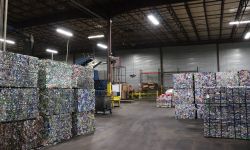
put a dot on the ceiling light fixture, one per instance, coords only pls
(153, 19)
(247, 36)
(51, 51)
(103, 46)
(8, 41)
(239, 22)
(64, 32)
(96, 36)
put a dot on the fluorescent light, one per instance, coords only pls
(64, 32)
(153, 20)
(51, 51)
(102, 45)
(239, 22)
(96, 36)
(247, 36)
(8, 41)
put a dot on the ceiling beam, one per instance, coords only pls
(205, 12)
(240, 13)
(192, 20)
(177, 21)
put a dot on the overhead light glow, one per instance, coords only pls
(96, 36)
(64, 32)
(247, 36)
(102, 45)
(153, 20)
(51, 51)
(239, 22)
(8, 41)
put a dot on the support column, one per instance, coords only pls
(109, 53)
(1, 21)
(161, 70)
(218, 56)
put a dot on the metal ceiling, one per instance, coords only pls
(181, 22)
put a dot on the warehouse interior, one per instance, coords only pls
(124, 74)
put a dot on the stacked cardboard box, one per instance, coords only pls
(184, 96)
(19, 121)
(56, 100)
(83, 119)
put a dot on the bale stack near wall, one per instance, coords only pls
(56, 100)
(83, 119)
(20, 124)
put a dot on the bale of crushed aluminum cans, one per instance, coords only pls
(226, 112)
(204, 79)
(83, 123)
(84, 100)
(57, 128)
(200, 111)
(183, 80)
(244, 78)
(183, 96)
(78, 76)
(225, 79)
(22, 135)
(53, 74)
(164, 100)
(18, 70)
(56, 101)
(18, 104)
(185, 111)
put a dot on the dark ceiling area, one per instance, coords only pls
(181, 23)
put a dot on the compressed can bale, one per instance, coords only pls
(56, 101)
(185, 111)
(83, 123)
(18, 104)
(84, 100)
(244, 78)
(53, 74)
(18, 70)
(78, 76)
(23, 135)
(225, 79)
(183, 80)
(57, 128)
(183, 96)
(204, 79)
(225, 113)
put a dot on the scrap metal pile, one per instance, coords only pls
(83, 120)
(20, 125)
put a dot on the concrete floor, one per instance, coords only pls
(142, 126)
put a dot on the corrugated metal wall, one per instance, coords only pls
(234, 56)
(147, 60)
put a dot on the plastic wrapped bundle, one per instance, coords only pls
(21, 135)
(57, 128)
(18, 104)
(18, 70)
(225, 79)
(83, 123)
(85, 100)
(204, 79)
(183, 80)
(183, 96)
(185, 111)
(53, 74)
(244, 78)
(56, 101)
